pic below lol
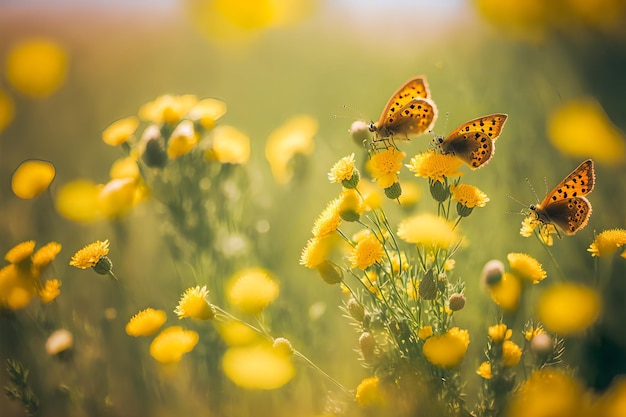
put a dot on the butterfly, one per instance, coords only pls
(409, 111)
(474, 142)
(566, 206)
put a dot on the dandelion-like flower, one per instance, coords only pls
(343, 171)
(568, 308)
(428, 230)
(146, 322)
(167, 108)
(370, 394)
(207, 111)
(251, 290)
(511, 354)
(499, 332)
(328, 221)
(447, 350)
(546, 230)
(350, 205)
(259, 366)
(506, 292)
(172, 343)
(94, 256)
(229, 146)
(384, 166)
(532, 331)
(184, 138)
(32, 178)
(526, 267)
(425, 332)
(120, 131)
(46, 254)
(484, 370)
(435, 166)
(294, 137)
(468, 197)
(367, 252)
(608, 242)
(314, 253)
(20, 252)
(49, 291)
(193, 303)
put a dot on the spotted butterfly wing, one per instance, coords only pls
(473, 142)
(566, 206)
(409, 111)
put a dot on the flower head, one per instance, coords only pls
(193, 303)
(172, 343)
(511, 354)
(499, 333)
(251, 290)
(294, 137)
(526, 267)
(506, 292)
(428, 230)
(343, 170)
(207, 111)
(328, 221)
(20, 252)
(90, 255)
(351, 205)
(607, 242)
(447, 350)
(435, 166)
(184, 138)
(384, 166)
(120, 131)
(568, 308)
(32, 178)
(315, 252)
(546, 230)
(259, 366)
(425, 332)
(49, 291)
(468, 195)
(369, 393)
(230, 146)
(146, 322)
(367, 252)
(484, 370)
(46, 254)
(167, 108)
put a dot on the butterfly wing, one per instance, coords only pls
(570, 214)
(473, 148)
(490, 125)
(578, 183)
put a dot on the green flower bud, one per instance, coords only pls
(103, 266)
(330, 272)
(394, 191)
(439, 191)
(353, 181)
(428, 286)
(463, 211)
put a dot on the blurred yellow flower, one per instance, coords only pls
(447, 350)
(425, 332)
(411, 195)
(120, 131)
(49, 291)
(117, 197)
(499, 332)
(549, 393)
(315, 252)
(146, 322)
(45, 255)
(36, 67)
(568, 308)
(236, 333)
(167, 109)
(370, 394)
(328, 221)
(258, 367)
(511, 354)
(251, 290)
(125, 168)
(532, 331)
(90, 255)
(172, 343)
(229, 146)
(469, 195)
(435, 166)
(608, 242)
(372, 195)
(17, 287)
(78, 201)
(581, 128)
(7, 110)
(207, 111)
(525, 267)
(428, 230)
(506, 292)
(527, 19)
(183, 139)
(384, 166)
(342, 170)
(351, 205)
(484, 370)
(20, 252)
(294, 137)
(612, 403)
(194, 303)
(31, 178)
(367, 252)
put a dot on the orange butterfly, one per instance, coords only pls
(474, 142)
(566, 206)
(409, 111)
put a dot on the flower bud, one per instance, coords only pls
(330, 272)
(104, 266)
(428, 286)
(463, 210)
(360, 132)
(439, 191)
(353, 181)
(394, 191)
(355, 309)
(367, 344)
(283, 346)
(542, 344)
(60, 343)
(492, 272)
(456, 302)
(154, 154)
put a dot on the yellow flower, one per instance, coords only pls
(367, 252)
(46, 254)
(146, 322)
(120, 131)
(251, 290)
(50, 290)
(315, 252)
(167, 108)
(184, 138)
(530, 223)
(369, 393)
(411, 195)
(90, 255)
(350, 205)
(612, 402)
(259, 367)
(447, 350)
(172, 343)
(78, 201)
(428, 230)
(425, 332)
(484, 370)
(7, 110)
(20, 252)
(372, 195)
(571, 126)
(193, 303)
(449, 265)
(526, 267)
(370, 280)
(229, 146)
(607, 242)
(32, 178)
(499, 333)
(468, 195)
(294, 137)
(506, 292)
(435, 166)
(117, 197)
(17, 287)
(36, 67)
(342, 170)
(568, 308)
(207, 111)
(511, 354)
(531, 332)
(235, 333)
(328, 221)
(384, 166)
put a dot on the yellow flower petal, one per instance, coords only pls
(259, 367)
(172, 343)
(79, 201)
(146, 322)
(31, 178)
(229, 146)
(294, 137)
(568, 308)
(428, 230)
(120, 131)
(252, 290)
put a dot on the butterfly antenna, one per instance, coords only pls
(352, 110)
(517, 201)
(532, 189)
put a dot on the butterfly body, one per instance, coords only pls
(474, 142)
(566, 206)
(409, 111)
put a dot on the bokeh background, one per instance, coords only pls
(337, 61)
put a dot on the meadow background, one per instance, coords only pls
(337, 61)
